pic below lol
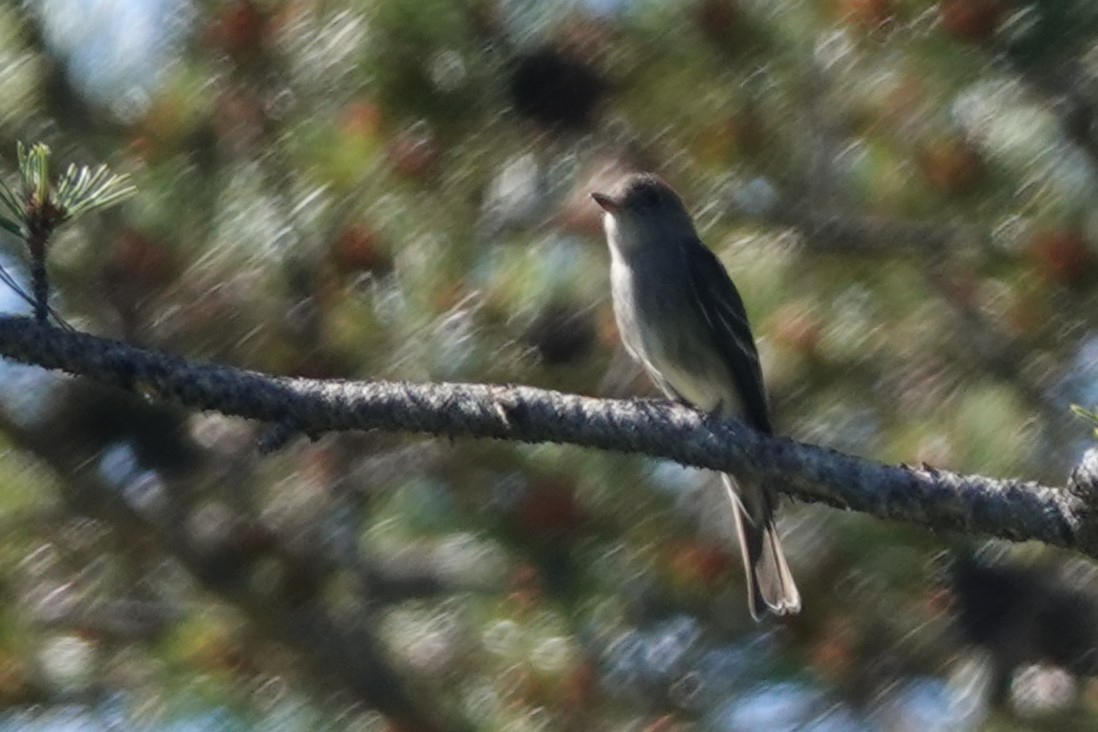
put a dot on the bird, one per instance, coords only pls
(680, 316)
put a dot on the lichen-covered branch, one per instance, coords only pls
(1012, 509)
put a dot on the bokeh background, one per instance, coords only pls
(903, 190)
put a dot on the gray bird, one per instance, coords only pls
(681, 317)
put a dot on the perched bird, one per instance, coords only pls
(681, 317)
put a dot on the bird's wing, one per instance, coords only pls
(722, 308)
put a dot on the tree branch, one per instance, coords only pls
(1012, 509)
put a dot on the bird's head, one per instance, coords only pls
(642, 210)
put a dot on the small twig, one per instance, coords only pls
(13, 284)
(39, 230)
(41, 206)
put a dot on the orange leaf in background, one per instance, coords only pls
(974, 21)
(1062, 256)
(950, 165)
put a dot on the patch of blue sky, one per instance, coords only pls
(116, 51)
(26, 392)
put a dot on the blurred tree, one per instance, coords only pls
(902, 189)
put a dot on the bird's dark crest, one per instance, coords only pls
(643, 191)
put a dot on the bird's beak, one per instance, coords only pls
(609, 204)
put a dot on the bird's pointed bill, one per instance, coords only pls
(608, 203)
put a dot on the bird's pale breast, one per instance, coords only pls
(661, 327)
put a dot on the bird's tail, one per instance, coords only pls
(770, 586)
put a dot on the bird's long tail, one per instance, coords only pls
(770, 586)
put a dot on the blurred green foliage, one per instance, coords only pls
(393, 189)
